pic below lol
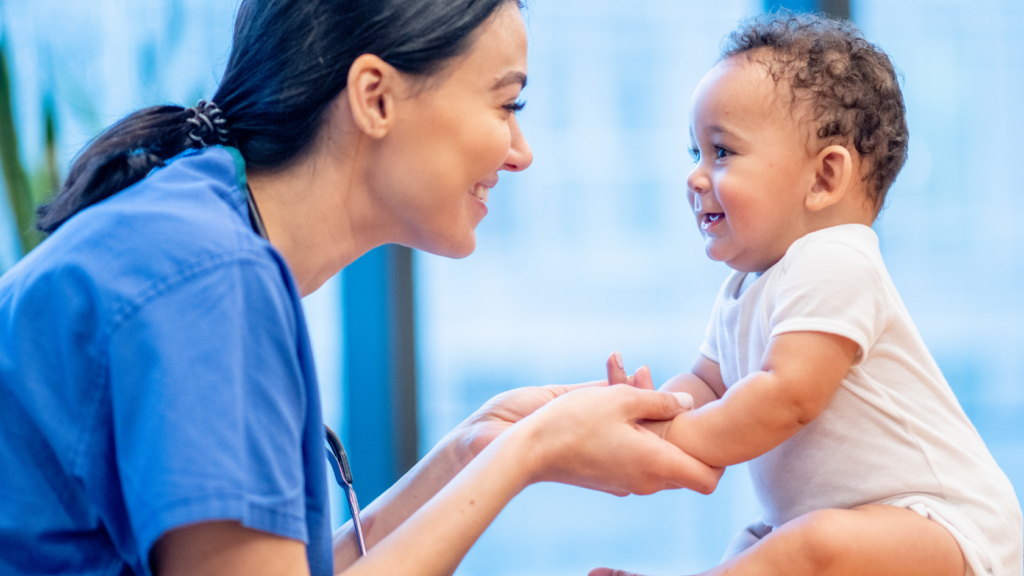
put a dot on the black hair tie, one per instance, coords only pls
(207, 122)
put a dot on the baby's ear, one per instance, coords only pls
(833, 168)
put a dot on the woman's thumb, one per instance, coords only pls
(653, 405)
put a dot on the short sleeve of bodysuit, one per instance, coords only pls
(209, 404)
(709, 347)
(831, 286)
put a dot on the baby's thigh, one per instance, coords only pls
(874, 539)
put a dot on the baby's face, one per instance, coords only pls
(753, 166)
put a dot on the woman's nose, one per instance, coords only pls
(520, 156)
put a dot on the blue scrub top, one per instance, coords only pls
(155, 371)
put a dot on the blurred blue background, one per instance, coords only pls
(593, 248)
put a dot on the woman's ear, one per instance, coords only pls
(371, 87)
(833, 169)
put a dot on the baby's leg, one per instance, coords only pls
(882, 540)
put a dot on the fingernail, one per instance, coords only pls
(684, 399)
(618, 360)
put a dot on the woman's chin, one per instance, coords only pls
(455, 248)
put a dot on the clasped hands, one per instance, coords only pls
(595, 435)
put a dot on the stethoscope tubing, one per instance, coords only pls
(343, 474)
(335, 451)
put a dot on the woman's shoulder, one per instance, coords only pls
(185, 220)
(192, 208)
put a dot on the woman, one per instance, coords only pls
(163, 414)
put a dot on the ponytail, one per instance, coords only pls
(118, 158)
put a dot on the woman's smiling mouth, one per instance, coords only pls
(481, 192)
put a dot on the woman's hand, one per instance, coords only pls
(642, 380)
(610, 572)
(507, 408)
(592, 437)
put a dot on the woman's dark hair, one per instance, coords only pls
(850, 84)
(289, 60)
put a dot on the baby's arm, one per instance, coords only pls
(799, 374)
(703, 383)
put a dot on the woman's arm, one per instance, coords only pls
(438, 467)
(588, 438)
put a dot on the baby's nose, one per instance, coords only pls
(697, 182)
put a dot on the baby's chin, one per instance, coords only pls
(715, 253)
(739, 262)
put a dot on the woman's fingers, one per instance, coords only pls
(652, 405)
(668, 463)
(590, 438)
(559, 389)
(671, 465)
(610, 572)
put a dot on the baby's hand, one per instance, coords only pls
(617, 374)
(642, 379)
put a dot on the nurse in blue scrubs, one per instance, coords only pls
(158, 407)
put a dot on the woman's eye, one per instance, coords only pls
(516, 106)
(695, 154)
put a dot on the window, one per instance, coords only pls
(591, 250)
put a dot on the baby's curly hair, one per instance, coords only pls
(850, 84)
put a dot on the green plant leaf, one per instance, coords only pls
(19, 192)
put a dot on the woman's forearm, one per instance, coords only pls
(437, 532)
(589, 438)
(405, 497)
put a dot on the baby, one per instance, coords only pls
(812, 369)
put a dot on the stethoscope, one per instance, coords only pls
(343, 474)
(335, 451)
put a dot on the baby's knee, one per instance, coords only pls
(815, 541)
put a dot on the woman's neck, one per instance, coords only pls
(317, 216)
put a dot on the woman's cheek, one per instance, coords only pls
(493, 148)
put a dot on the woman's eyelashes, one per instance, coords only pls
(516, 106)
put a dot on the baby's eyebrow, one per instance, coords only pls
(719, 129)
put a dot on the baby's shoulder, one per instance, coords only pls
(847, 250)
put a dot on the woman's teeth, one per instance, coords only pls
(480, 191)
(708, 219)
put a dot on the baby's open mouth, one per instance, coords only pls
(710, 218)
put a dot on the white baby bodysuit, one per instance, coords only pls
(893, 433)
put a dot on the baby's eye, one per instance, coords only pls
(721, 152)
(695, 154)
(516, 106)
